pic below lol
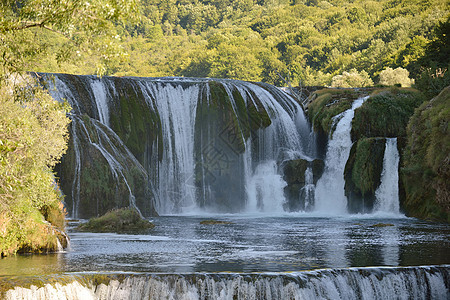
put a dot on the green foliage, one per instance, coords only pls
(398, 76)
(123, 220)
(432, 81)
(32, 30)
(350, 79)
(386, 113)
(437, 52)
(308, 42)
(426, 166)
(328, 103)
(33, 137)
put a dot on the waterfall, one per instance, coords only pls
(387, 193)
(204, 143)
(352, 283)
(265, 189)
(330, 195)
(101, 96)
(308, 190)
(177, 108)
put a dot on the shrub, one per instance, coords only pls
(33, 137)
(398, 76)
(432, 81)
(123, 220)
(352, 79)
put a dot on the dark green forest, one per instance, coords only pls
(304, 42)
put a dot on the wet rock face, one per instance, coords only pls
(294, 171)
(295, 174)
(105, 174)
(363, 173)
(318, 167)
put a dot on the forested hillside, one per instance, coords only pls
(307, 42)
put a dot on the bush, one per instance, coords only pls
(352, 79)
(33, 137)
(432, 81)
(399, 76)
(123, 220)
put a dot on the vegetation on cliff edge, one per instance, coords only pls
(426, 167)
(33, 137)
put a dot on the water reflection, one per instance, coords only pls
(32, 264)
(391, 238)
(248, 244)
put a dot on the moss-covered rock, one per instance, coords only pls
(362, 173)
(294, 171)
(135, 123)
(386, 113)
(294, 175)
(327, 103)
(124, 220)
(426, 165)
(99, 173)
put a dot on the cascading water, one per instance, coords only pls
(101, 96)
(329, 195)
(387, 199)
(177, 108)
(308, 191)
(265, 189)
(353, 283)
(210, 142)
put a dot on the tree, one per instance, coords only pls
(33, 137)
(398, 76)
(353, 78)
(76, 26)
(33, 127)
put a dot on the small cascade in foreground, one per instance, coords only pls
(387, 193)
(329, 195)
(354, 283)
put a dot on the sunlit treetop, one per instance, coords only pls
(28, 29)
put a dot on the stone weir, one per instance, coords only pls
(164, 145)
(354, 283)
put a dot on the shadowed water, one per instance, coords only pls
(251, 243)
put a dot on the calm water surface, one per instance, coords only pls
(180, 244)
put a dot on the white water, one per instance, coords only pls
(387, 193)
(101, 96)
(330, 195)
(353, 283)
(265, 189)
(177, 108)
(308, 190)
(76, 184)
(281, 140)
